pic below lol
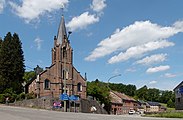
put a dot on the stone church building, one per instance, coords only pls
(61, 77)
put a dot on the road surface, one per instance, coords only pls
(18, 113)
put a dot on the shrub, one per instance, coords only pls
(2, 98)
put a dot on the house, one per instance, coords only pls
(178, 90)
(121, 103)
(153, 107)
(61, 76)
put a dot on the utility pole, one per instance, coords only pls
(64, 74)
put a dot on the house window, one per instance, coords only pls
(178, 99)
(79, 87)
(46, 84)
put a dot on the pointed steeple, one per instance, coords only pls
(61, 31)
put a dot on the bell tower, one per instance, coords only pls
(62, 50)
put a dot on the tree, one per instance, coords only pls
(153, 94)
(11, 64)
(130, 90)
(141, 93)
(28, 75)
(170, 103)
(98, 90)
(166, 95)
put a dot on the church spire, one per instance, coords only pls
(62, 34)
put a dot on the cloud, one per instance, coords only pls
(152, 82)
(98, 5)
(31, 10)
(152, 59)
(2, 4)
(138, 36)
(82, 21)
(157, 69)
(38, 43)
(136, 51)
(131, 70)
(169, 75)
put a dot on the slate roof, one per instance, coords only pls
(61, 31)
(117, 97)
(153, 103)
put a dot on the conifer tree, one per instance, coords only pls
(11, 64)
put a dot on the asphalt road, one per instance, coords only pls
(18, 113)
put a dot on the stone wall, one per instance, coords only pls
(86, 105)
(35, 103)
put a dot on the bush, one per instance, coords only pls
(2, 98)
(21, 96)
(30, 95)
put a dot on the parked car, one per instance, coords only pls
(131, 112)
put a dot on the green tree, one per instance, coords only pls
(153, 94)
(170, 103)
(166, 95)
(28, 75)
(98, 90)
(141, 93)
(11, 64)
(130, 90)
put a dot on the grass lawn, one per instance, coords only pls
(167, 115)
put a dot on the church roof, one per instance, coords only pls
(61, 31)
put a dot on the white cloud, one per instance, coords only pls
(152, 59)
(169, 75)
(157, 69)
(136, 51)
(131, 70)
(134, 37)
(2, 4)
(98, 5)
(32, 9)
(82, 21)
(38, 43)
(152, 82)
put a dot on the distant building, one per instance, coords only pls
(148, 107)
(121, 103)
(179, 96)
(61, 76)
(153, 107)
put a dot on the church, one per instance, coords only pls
(61, 77)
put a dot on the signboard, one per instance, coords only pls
(73, 98)
(64, 96)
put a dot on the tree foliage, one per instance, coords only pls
(11, 64)
(98, 90)
(127, 89)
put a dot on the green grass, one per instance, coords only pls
(167, 115)
(168, 109)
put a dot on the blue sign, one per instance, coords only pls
(73, 98)
(64, 96)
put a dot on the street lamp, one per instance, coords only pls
(111, 78)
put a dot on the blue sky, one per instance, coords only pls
(139, 39)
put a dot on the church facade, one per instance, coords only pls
(61, 77)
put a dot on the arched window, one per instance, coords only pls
(65, 75)
(46, 84)
(64, 52)
(79, 87)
